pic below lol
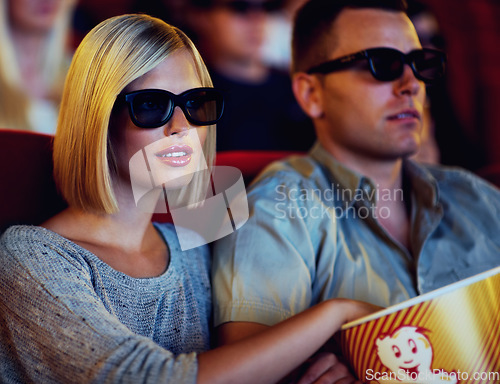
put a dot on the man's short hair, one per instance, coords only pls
(313, 25)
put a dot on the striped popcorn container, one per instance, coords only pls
(450, 335)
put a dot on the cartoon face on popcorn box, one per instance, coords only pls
(451, 335)
(407, 352)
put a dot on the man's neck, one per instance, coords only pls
(387, 176)
(384, 173)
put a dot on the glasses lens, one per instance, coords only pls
(244, 7)
(273, 5)
(387, 64)
(151, 108)
(240, 7)
(203, 107)
(429, 65)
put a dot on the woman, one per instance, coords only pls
(34, 61)
(101, 294)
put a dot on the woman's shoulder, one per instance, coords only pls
(31, 247)
(28, 237)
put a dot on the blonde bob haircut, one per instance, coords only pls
(113, 54)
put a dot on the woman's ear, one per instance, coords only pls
(308, 92)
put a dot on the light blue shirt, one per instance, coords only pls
(313, 235)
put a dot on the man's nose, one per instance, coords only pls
(408, 83)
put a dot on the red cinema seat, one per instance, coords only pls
(28, 193)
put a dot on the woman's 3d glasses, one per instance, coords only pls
(152, 108)
(387, 64)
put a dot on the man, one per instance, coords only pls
(261, 112)
(355, 218)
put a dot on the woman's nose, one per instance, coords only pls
(178, 124)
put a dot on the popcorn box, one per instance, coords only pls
(450, 335)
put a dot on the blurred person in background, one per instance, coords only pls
(276, 50)
(427, 28)
(34, 61)
(261, 112)
(443, 135)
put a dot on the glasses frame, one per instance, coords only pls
(179, 100)
(349, 61)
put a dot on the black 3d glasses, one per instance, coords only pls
(243, 7)
(387, 64)
(152, 108)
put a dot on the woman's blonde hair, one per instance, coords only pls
(54, 65)
(113, 54)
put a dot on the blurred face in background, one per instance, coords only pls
(36, 16)
(235, 29)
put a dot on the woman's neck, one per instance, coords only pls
(125, 241)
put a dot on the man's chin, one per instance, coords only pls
(409, 152)
(400, 155)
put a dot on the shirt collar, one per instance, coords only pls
(351, 185)
(423, 185)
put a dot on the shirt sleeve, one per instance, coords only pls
(54, 328)
(263, 272)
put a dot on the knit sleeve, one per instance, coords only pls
(54, 328)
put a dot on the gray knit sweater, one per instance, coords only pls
(67, 317)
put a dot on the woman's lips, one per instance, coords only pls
(175, 155)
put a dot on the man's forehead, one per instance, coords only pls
(359, 29)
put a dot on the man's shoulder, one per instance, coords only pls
(445, 174)
(292, 170)
(441, 171)
(457, 182)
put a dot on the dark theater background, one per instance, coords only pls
(465, 109)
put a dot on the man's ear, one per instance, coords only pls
(308, 92)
